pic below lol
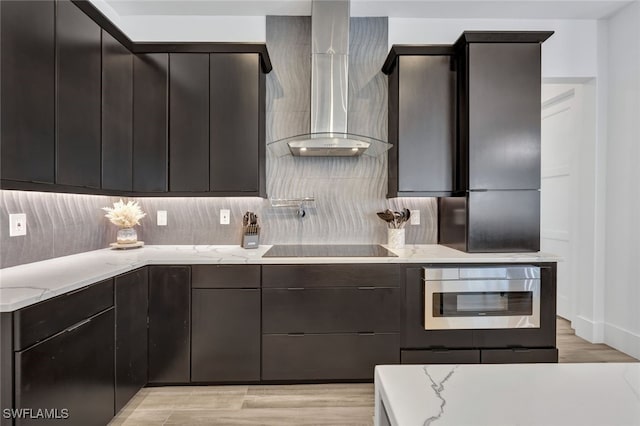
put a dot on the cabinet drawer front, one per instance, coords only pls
(37, 322)
(331, 310)
(326, 357)
(515, 356)
(352, 275)
(72, 370)
(462, 356)
(225, 276)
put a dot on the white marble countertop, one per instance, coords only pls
(27, 284)
(509, 394)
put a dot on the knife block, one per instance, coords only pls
(250, 239)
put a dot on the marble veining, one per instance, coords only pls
(23, 285)
(438, 388)
(587, 394)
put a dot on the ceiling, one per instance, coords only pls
(458, 9)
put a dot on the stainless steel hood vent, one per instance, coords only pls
(329, 89)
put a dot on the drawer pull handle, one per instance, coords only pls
(366, 288)
(366, 333)
(78, 325)
(294, 288)
(295, 334)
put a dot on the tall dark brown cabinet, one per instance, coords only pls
(78, 97)
(189, 122)
(237, 139)
(131, 295)
(498, 159)
(169, 324)
(150, 103)
(422, 120)
(117, 115)
(28, 98)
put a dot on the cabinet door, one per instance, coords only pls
(189, 122)
(519, 355)
(72, 370)
(169, 324)
(504, 115)
(117, 114)
(28, 82)
(326, 356)
(150, 76)
(331, 310)
(225, 335)
(441, 356)
(234, 122)
(503, 221)
(78, 98)
(131, 293)
(426, 124)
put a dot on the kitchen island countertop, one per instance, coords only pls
(589, 394)
(27, 284)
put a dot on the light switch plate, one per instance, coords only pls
(415, 217)
(17, 224)
(224, 216)
(162, 218)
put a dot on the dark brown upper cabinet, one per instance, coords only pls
(237, 138)
(78, 97)
(117, 115)
(499, 110)
(85, 109)
(150, 92)
(189, 122)
(28, 86)
(422, 120)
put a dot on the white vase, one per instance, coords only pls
(127, 236)
(395, 238)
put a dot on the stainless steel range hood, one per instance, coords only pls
(329, 136)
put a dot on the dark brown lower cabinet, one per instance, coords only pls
(519, 355)
(327, 356)
(72, 370)
(331, 310)
(436, 356)
(225, 341)
(169, 324)
(131, 293)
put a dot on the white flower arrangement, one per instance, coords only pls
(124, 215)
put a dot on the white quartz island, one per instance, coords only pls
(509, 394)
(24, 285)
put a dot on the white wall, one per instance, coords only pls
(622, 258)
(184, 28)
(569, 53)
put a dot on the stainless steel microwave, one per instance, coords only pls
(481, 297)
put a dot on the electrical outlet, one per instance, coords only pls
(224, 216)
(162, 218)
(415, 217)
(17, 224)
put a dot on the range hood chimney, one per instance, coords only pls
(329, 136)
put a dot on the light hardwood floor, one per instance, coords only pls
(332, 404)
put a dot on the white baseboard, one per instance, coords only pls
(588, 330)
(623, 340)
(599, 332)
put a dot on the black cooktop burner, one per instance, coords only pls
(344, 250)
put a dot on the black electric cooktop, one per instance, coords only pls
(343, 250)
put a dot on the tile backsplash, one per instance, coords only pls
(57, 225)
(348, 191)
